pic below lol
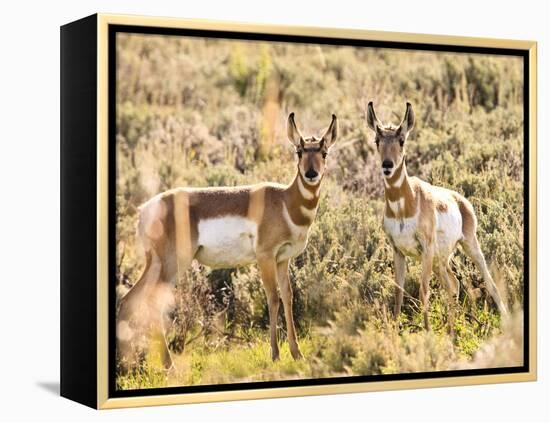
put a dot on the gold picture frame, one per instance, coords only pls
(96, 393)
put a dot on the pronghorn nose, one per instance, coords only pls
(387, 164)
(311, 174)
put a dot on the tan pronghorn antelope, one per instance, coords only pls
(227, 227)
(422, 220)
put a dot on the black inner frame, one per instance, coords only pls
(234, 35)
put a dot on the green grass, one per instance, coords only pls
(204, 366)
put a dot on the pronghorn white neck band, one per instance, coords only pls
(309, 213)
(399, 182)
(397, 206)
(308, 195)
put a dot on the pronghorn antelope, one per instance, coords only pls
(422, 220)
(227, 227)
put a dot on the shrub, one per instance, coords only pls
(204, 112)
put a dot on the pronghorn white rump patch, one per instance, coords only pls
(448, 222)
(308, 195)
(297, 241)
(228, 241)
(448, 230)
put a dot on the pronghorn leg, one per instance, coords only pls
(174, 271)
(454, 282)
(473, 293)
(149, 276)
(178, 251)
(268, 271)
(450, 282)
(399, 269)
(473, 250)
(132, 316)
(162, 301)
(166, 356)
(286, 296)
(427, 265)
(159, 301)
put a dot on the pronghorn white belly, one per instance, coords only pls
(226, 242)
(448, 229)
(403, 234)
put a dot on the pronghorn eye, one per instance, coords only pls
(299, 153)
(401, 141)
(324, 154)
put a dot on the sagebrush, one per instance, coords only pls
(211, 112)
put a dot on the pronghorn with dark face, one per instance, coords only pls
(422, 220)
(227, 227)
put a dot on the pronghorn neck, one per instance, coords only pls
(400, 197)
(302, 199)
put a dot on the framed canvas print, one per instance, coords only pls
(256, 211)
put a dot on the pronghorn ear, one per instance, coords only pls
(407, 124)
(332, 133)
(294, 135)
(372, 121)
